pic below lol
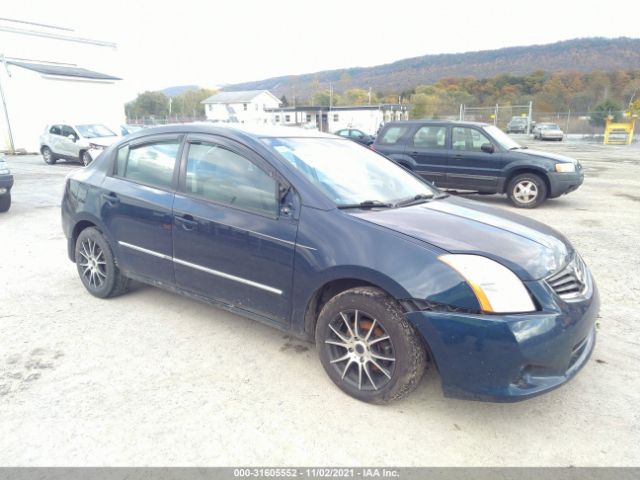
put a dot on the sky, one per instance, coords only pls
(211, 43)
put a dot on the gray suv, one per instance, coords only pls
(78, 143)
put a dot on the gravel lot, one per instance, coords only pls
(151, 378)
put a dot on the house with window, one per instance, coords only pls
(51, 74)
(367, 118)
(249, 106)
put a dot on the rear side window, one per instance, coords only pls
(430, 137)
(218, 174)
(150, 163)
(393, 134)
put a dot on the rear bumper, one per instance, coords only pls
(562, 183)
(512, 357)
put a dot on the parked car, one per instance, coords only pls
(78, 143)
(6, 183)
(548, 131)
(334, 243)
(519, 125)
(356, 135)
(478, 157)
(128, 129)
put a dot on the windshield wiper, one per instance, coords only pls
(518, 148)
(420, 198)
(366, 204)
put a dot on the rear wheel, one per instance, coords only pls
(527, 190)
(367, 347)
(96, 265)
(48, 156)
(5, 202)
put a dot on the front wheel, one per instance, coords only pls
(5, 202)
(85, 158)
(527, 190)
(367, 347)
(96, 265)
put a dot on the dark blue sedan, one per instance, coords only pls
(334, 243)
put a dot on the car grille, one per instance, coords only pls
(571, 281)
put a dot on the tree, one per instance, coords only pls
(284, 101)
(357, 96)
(148, 104)
(189, 103)
(603, 110)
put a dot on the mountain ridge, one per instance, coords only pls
(579, 55)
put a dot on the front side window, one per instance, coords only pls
(223, 176)
(468, 139)
(67, 130)
(347, 173)
(430, 137)
(150, 163)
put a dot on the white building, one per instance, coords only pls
(251, 106)
(51, 75)
(367, 118)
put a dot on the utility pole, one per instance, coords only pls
(369, 95)
(4, 108)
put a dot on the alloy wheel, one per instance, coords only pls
(360, 349)
(525, 191)
(93, 264)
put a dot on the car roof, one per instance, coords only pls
(235, 129)
(438, 122)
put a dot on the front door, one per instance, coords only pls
(428, 147)
(67, 146)
(136, 204)
(231, 241)
(471, 168)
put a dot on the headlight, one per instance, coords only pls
(94, 146)
(497, 288)
(565, 167)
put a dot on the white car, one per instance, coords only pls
(79, 142)
(548, 131)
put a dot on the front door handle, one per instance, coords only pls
(187, 222)
(111, 198)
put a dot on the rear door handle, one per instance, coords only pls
(187, 222)
(111, 198)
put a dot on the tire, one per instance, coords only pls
(368, 348)
(527, 190)
(5, 202)
(96, 265)
(48, 156)
(85, 158)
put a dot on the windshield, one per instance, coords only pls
(550, 126)
(94, 131)
(348, 173)
(504, 140)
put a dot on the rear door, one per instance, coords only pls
(428, 147)
(469, 167)
(137, 202)
(232, 242)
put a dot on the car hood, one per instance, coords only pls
(530, 249)
(104, 141)
(553, 156)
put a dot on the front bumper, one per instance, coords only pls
(506, 358)
(6, 183)
(562, 183)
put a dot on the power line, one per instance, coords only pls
(36, 24)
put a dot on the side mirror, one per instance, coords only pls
(71, 137)
(488, 148)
